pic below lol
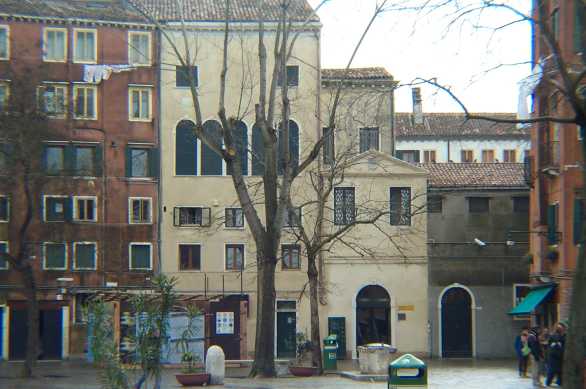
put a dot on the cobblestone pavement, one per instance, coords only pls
(450, 374)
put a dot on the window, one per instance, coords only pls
(84, 255)
(186, 155)
(487, 156)
(434, 204)
(185, 74)
(400, 206)
(4, 95)
(4, 42)
(234, 218)
(467, 156)
(139, 48)
(85, 208)
(344, 211)
(191, 216)
(520, 291)
(292, 217)
(368, 139)
(54, 256)
(142, 162)
(521, 204)
(429, 156)
(3, 249)
(139, 104)
(4, 209)
(53, 100)
(553, 215)
(292, 76)
(509, 155)
(141, 256)
(86, 161)
(85, 46)
(478, 204)
(579, 17)
(411, 156)
(55, 44)
(57, 208)
(329, 149)
(189, 257)
(235, 257)
(578, 221)
(555, 23)
(55, 159)
(85, 102)
(290, 254)
(140, 210)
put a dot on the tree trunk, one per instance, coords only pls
(575, 353)
(264, 350)
(312, 275)
(32, 342)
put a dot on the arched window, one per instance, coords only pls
(240, 135)
(258, 152)
(211, 163)
(185, 149)
(293, 146)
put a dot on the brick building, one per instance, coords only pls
(95, 218)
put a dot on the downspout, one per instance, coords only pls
(157, 123)
(392, 128)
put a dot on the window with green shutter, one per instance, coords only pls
(55, 256)
(293, 146)
(185, 149)
(578, 221)
(140, 256)
(258, 152)
(57, 209)
(3, 249)
(240, 136)
(552, 224)
(142, 162)
(85, 256)
(211, 163)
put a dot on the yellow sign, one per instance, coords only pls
(409, 308)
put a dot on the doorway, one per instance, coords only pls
(50, 332)
(373, 311)
(286, 329)
(456, 322)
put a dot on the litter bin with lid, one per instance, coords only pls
(331, 352)
(407, 372)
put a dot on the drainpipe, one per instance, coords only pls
(157, 124)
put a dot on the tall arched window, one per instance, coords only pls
(258, 152)
(211, 163)
(185, 149)
(240, 135)
(293, 146)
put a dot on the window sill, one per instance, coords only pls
(141, 65)
(55, 60)
(133, 120)
(190, 271)
(191, 226)
(141, 223)
(54, 221)
(233, 270)
(85, 119)
(146, 179)
(234, 228)
(55, 269)
(140, 270)
(82, 62)
(56, 117)
(290, 269)
(4, 221)
(84, 269)
(84, 221)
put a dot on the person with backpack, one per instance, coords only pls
(536, 355)
(555, 357)
(523, 351)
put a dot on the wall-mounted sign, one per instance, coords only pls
(406, 308)
(224, 323)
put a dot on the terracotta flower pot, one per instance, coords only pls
(303, 371)
(193, 379)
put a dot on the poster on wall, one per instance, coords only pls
(224, 323)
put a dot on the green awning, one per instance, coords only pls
(532, 300)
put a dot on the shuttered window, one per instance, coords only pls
(293, 147)
(369, 139)
(185, 149)
(329, 150)
(54, 256)
(240, 137)
(434, 204)
(400, 206)
(211, 163)
(142, 162)
(258, 152)
(344, 210)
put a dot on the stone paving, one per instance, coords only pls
(450, 374)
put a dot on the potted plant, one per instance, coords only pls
(193, 373)
(302, 365)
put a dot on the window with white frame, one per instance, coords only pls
(139, 48)
(85, 100)
(234, 218)
(57, 208)
(4, 208)
(54, 256)
(139, 104)
(4, 42)
(84, 255)
(4, 95)
(140, 210)
(53, 99)
(85, 208)
(3, 249)
(55, 44)
(85, 48)
(140, 256)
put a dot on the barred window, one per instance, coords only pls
(344, 208)
(400, 206)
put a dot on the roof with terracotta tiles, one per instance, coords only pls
(214, 10)
(373, 73)
(475, 175)
(456, 125)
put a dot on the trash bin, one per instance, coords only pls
(407, 372)
(331, 353)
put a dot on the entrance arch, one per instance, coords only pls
(456, 322)
(373, 315)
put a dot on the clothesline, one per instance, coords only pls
(97, 73)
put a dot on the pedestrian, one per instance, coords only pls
(544, 341)
(536, 355)
(555, 356)
(523, 351)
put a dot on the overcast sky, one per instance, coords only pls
(409, 45)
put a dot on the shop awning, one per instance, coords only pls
(532, 300)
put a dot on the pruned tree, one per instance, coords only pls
(272, 106)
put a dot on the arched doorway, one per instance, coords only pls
(456, 323)
(373, 310)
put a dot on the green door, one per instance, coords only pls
(286, 334)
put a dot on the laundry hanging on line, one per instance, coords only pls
(97, 73)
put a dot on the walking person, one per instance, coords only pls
(523, 351)
(536, 355)
(555, 356)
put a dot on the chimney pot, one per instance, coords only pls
(417, 106)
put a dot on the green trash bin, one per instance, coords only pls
(407, 372)
(331, 353)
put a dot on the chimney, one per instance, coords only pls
(417, 106)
